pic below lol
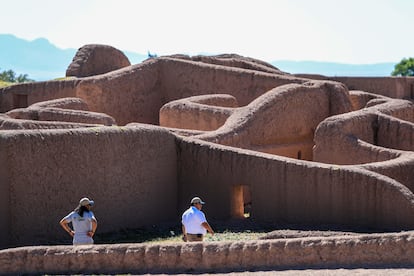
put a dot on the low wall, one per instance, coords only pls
(206, 112)
(374, 250)
(129, 172)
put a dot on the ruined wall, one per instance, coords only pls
(395, 133)
(375, 250)
(95, 59)
(283, 120)
(129, 172)
(349, 139)
(136, 93)
(393, 87)
(400, 169)
(129, 95)
(4, 198)
(328, 194)
(206, 112)
(183, 79)
(374, 134)
(25, 94)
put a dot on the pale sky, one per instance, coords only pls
(346, 31)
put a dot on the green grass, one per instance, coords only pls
(140, 236)
(65, 78)
(223, 232)
(5, 83)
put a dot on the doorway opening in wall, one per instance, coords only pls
(299, 155)
(19, 101)
(241, 202)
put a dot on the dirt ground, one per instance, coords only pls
(316, 272)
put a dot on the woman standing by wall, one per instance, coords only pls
(83, 222)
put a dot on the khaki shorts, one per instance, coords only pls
(194, 237)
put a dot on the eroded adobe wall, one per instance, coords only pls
(129, 172)
(328, 194)
(395, 133)
(207, 112)
(375, 250)
(25, 94)
(393, 87)
(95, 59)
(284, 119)
(4, 198)
(400, 169)
(183, 78)
(129, 95)
(136, 93)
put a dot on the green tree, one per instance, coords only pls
(10, 76)
(404, 68)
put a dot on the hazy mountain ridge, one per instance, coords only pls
(42, 60)
(336, 69)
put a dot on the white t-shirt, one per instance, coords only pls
(192, 219)
(81, 226)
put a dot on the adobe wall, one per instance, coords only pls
(7, 123)
(129, 172)
(401, 169)
(4, 199)
(36, 92)
(329, 194)
(395, 133)
(379, 136)
(129, 95)
(206, 112)
(393, 87)
(136, 93)
(283, 120)
(182, 78)
(374, 250)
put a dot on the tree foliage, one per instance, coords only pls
(10, 76)
(404, 68)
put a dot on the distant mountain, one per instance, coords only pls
(42, 60)
(335, 69)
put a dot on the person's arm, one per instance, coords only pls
(184, 232)
(65, 225)
(208, 227)
(94, 226)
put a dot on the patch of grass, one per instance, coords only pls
(142, 235)
(65, 78)
(5, 83)
(224, 231)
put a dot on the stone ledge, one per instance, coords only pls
(368, 250)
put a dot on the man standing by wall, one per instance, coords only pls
(194, 223)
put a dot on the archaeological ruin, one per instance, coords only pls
(143, 139)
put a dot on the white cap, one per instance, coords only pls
(86, 201)
(197, 200)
